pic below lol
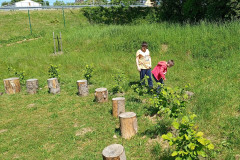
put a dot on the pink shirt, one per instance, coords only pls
(160, 70)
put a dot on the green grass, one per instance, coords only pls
(206, 56)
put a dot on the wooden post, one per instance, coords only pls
(114, 152)
(54, 44)
(118, 105)
(128, 124)
(82, 87)
(32, 86)
(53, 85)
(12, 85)
(101, 95)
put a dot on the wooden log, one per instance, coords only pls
(128, 124)
(12, 85)
(32, 86)
(53, 85)
(101, 95)
(82, 87)
(114, 152)
(118, 105)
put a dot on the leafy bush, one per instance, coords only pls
(141, 89)
(170, 101)
(20, 74)
(188, 143)
(88, 73)
(53, 72)
(119, 82)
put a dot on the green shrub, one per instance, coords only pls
(88, 73)
(20, 74)
(53, 71)
(170, 101)
(119, 82)
(188, 143)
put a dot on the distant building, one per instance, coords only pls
(27, 3)
(79, 1)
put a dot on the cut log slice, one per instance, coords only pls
(101, 95)
(118, 105)
(12, 85)
(128, 124)
(53, 85)
(32, 86)
(82, 87)
(114, 152)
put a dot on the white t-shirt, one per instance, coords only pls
(144, 61)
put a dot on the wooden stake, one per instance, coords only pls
(101, 95)
(32, 86)
(12, 85)
(82, 87)
(118, 106)
(54, 44)
(114, 152)
(128, 124)
(53, 85)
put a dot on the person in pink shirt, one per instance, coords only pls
(160, 71)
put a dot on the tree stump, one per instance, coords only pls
(12, 85)
(101, 95)
(118, 105)
(82, 87)
(53, 85)
(32, 86)
(114, 152)
(128, 124)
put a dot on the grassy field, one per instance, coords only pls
(66, 126)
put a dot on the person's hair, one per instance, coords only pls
(144, 44)
(171, 62)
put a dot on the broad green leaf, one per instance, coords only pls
(201, 153)
(174, 153)
(202, 141)
(210, 146)
(178, 158)
(200, 134)
(186, 137)
(175, 125)
(192, 146)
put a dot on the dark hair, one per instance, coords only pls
(171, 62)
(144, 44)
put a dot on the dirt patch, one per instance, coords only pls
(16, 156)
(75, 125)
(83, 131)
(188, 53)
(31, 105)
(164, 144)
(164, 48)
(18, 42)
(3, 130)
(48, 147)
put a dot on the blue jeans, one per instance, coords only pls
(158, 81)
(147, 72)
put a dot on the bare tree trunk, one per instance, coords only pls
(114, 152)
(53, 85)
(128, 124)
(118, 105)
(12, 85)
(82, 87)
(32, 86)
(101, 95)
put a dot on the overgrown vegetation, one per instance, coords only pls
(206, 56)
(12, 72)
(88, 73)
(188, 143)
(53, 72)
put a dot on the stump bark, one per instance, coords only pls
(32, 86)
(53, 85)
(101, 95)
(118, 105)
(12, 85)
(82, 87)
(128, 124)
(114, 152)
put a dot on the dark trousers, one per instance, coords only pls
(147, 72)
(158, 81)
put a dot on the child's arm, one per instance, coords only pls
(137, 61)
